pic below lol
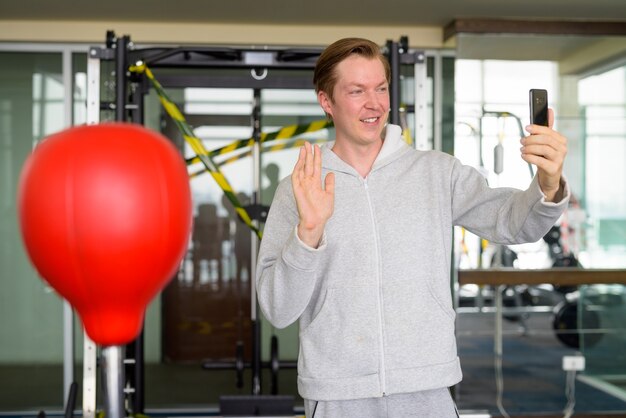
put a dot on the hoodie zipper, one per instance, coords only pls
(380, 290)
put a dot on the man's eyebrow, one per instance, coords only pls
(358, 84)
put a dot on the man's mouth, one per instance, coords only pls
(370, 120)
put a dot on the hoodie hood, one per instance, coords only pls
(393, 148)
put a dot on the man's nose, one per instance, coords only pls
(374, 100)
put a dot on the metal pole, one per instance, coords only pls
(113, 381)
(498, 350)
(138, 376)
(68, 313)
(71, 400)
(256, 199)
(139, 398)
(93, 87)
(68, 350)
(68, 85)
(120, 78)
(498, 331)
(90, 366)
(421, 104)
(394, 93)
(89, 347)
(437, 102)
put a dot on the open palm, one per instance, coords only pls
(315, 203)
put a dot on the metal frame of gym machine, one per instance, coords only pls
(129, 106)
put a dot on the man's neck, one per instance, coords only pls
(361, 158)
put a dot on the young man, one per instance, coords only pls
(357, 247)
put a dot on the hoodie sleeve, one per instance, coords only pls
(502, 215)
(286, 268)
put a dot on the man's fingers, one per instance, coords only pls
(317, 162)
(308, 162)
(307, 173)
(555, 141)
(550, 167)
(298, 168)
(541, 134)
(329, 183)
(545, 151)
(544, 133)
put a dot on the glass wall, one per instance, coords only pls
(603, 101)
(492, 108)
(31, 107)
(546, 322)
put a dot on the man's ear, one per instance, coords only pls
(325, 102)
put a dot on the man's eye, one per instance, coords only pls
(382, 89)
(356, 91)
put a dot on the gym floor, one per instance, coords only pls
(534, 383)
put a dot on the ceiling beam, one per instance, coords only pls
(539, 27)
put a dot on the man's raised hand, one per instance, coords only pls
(315, 203)
(546, 149)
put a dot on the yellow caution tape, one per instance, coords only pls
(196, 145)
(206, 157)
(283, 133)
(266, 148)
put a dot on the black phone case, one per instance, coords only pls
(539, 107)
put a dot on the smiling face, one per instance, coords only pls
(360, 101)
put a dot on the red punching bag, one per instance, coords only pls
(105, 213)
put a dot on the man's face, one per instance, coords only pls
(360, 104)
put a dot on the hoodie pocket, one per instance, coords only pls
(342, 339)
(420, 328)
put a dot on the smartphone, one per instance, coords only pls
(539, 107)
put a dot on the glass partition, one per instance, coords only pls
(603, 117)
(543, 323)
(603, 101)
(31, 314)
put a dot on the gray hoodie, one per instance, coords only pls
(373, 300)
